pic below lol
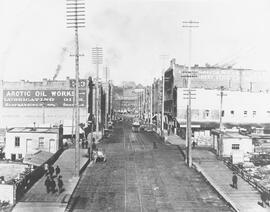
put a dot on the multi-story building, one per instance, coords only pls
(47, 102)
(157, 96)
(245, 101)
(157, 101)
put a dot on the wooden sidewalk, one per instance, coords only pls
(37, 196)
(244, 199)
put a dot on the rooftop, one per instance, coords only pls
(33, 130)
(229, 134)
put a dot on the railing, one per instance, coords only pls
(247, 177)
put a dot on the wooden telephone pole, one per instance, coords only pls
(76, 19)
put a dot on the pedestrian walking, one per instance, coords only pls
(234, 180)
(47, 184)
(53, 185)
(94, 146)
(193, 144)
(264, 197)
(60, 184)
(57, 170)
(51, 170)
(46, 168)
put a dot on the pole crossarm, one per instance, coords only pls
(76, 10)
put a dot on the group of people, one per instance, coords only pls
(50, 179)
(84, 144)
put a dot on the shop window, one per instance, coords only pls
(236, 146)
(17, 141)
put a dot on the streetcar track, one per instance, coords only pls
(125, 171)
(136, 176)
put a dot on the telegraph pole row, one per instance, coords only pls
(163, 58)
(97, 58)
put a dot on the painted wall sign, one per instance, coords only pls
(40, 98)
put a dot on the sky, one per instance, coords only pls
(35, 42)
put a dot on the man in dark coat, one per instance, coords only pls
(51, 170)
(60, 184)
(57, 170)
(53, 185)
(234, 180)
(47, 184)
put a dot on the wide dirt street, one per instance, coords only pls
(140, 176)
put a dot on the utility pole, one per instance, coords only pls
(220, 109)
(76, 19)
(123, 88)
(151, 104)
(107, 98)
(97, 58)
(220, 116)
(189, 25)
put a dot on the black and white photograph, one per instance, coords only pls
(135, 106)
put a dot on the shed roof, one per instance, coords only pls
(229, 134)
(38, 158)
(33, 130)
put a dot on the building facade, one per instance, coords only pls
(239, 108)
(231, 143)
(245, 100)
(21, 141)
(47, 102)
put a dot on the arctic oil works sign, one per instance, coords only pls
(42, 98)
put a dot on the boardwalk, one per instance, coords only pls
(245, 198)
(36, 199)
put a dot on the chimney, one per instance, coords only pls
(173, 63)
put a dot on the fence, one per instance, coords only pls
(30, 179)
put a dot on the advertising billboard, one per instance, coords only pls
(42, 98)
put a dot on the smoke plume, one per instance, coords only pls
(61, 60)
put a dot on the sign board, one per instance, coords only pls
(82, 83)
(42, 98)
